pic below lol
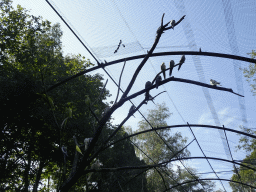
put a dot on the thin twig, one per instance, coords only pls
(118, 90)
(145, 59)
(102, 91)
(94, 114)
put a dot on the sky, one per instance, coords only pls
(221, 26)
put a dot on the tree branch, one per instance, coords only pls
(122, 168)
(181, 80)
(118, 88)
(159, 33)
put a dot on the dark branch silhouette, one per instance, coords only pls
(118, 88)
(222, 55)
(185, 125)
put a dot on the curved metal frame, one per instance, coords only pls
(228, 56)
(209, 179)
(185, 125)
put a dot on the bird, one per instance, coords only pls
(158, 30)
(97, 111)
(132, 109)
(200, 49)
(214, 83)
(78, 150)
(151, 98)
(69, 112)
(77, 147)
(158, 80)
(96, 165)
(86, 142)
(147, 85)
(163, 67)
(64, 150)
(106, 110)
(171, 67)
(182, 60)
(87, 100)
(172, 23)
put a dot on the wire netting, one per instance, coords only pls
(214, 26)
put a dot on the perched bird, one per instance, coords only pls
(163, 67)
(200, 49)
(171, 67)
(172, 23)
(78, 150)
(69, 112)
(64, 151)
(132, 109)
(158, 29)
(86, 142)
(96, 165)
(97, 111)
(77, 146)
(182, 60)
(158, 80)
(106, 110)
(87, 100)
(147, 85)
(214, 83)
(65, 154)
(179, 170)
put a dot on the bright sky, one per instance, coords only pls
(215, 26)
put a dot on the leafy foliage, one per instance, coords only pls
(36, 124)
(152, 143)
(247, 176)
(249, 73)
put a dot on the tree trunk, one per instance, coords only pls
(27, 168)
(38, 176)
(26, 173)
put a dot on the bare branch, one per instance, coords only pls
(176, 23)
(184, 81)
(162, 21)
(122, 168)
(94, 115)
(101, 93)
(118, 89)
(158, 94)
(142, 64)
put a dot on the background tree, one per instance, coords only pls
(35, 124)
(247, 175)
(249, 73)
(38, 125)
(159, 151)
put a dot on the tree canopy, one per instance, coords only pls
(161, 146)
(36, 124)
(241, 174)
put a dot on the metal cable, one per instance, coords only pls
(205, 156)
(88, 50)
(233, 159)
